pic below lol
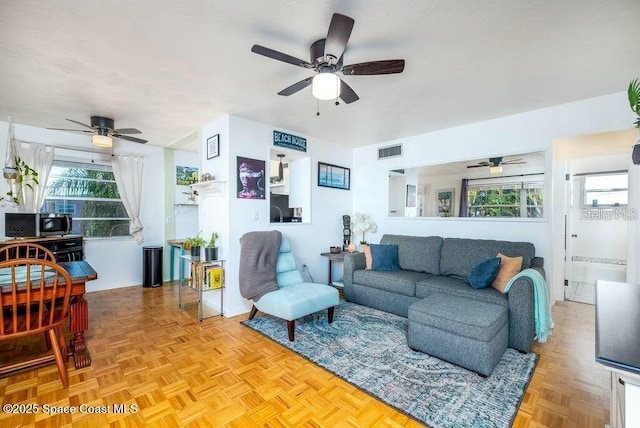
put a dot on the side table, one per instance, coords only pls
(176, 244)
(335, 257)
(201, 282)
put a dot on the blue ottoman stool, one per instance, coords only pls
(465, 332)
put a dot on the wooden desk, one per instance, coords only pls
(618, 344)
(80, 272)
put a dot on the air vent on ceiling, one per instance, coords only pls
(390, 152)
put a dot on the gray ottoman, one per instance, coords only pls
(471, 334)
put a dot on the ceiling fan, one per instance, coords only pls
(327, 60)
(496, 162)
(102, 129)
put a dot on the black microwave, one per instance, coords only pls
(30, 225)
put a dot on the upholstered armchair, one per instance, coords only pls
(293, 298)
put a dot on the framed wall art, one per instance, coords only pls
(445, 202)
(213, 146)
(337, 177)
(251, 180)
(186, 175)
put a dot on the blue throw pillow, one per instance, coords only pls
(385, 257)
(484, 272)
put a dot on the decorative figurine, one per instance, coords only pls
(346, 232)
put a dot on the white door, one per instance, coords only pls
(397, 188)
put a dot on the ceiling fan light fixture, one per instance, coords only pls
(326, 86)
(101, 140)
(495, 169)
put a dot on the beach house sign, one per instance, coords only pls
(289, 141)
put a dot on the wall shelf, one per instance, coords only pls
(209, 188)
(185, 205)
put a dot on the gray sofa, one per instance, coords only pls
(432, 264)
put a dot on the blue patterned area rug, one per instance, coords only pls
(368, 348)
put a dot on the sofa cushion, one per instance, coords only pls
(459, 287)
(384, 257)
(463, 317)
(366, 249)
(418, 253)
(484, 272)
(401, 282)
(509, 267)
(458, 256)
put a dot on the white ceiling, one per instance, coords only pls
(168, 67)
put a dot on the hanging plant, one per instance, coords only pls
(634, 99)
(24, 177)
(634, 103)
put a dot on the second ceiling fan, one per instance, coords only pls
(327, 60)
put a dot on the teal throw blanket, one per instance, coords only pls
(542, 308)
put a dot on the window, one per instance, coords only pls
(88, 192)
(606, 190)
(519, 199)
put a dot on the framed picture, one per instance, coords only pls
(411, 196)
(337, 177)
(251, 181)
(186, 175)
(445, 202)
(213, 146)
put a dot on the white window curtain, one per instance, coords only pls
(633, 231)
(127, 171)
(40, 158)
(9, 160)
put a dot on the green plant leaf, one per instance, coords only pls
(634, 96)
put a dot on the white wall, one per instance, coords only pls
(521, 133)
(107, 254)
(185, 218)
(180, 218)
(245, 138)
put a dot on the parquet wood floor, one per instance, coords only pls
(175, 371)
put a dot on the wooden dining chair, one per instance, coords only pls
(30, 250)
(23, 250)
(35, 287)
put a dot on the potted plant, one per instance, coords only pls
(22, 176)
(362, 223)
(194, 244)
(634, 103)
(211, 250)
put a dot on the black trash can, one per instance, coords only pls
(151, 266)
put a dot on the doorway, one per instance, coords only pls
(597, 225)
(596, 218)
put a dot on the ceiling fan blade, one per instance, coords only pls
(513, 163)
(296, 87)
(480, 165)
(80, 123)
(127, 131)
(338, 35)
(124, 137)
(270, 53)
(347, 94)
(71, 130)
(390, 66)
